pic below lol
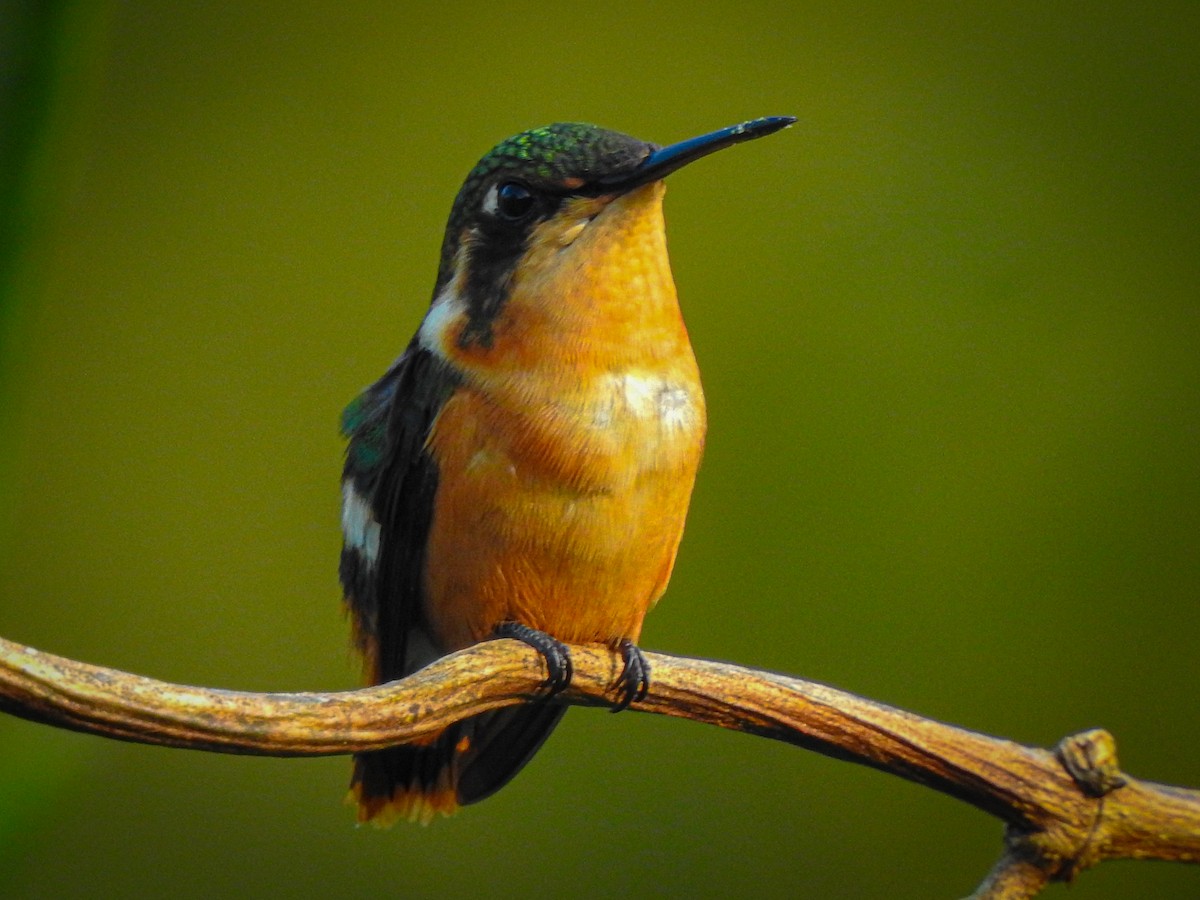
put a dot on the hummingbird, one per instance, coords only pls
(524, 468)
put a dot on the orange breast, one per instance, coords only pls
(566, 463)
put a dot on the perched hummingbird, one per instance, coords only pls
(524, 468)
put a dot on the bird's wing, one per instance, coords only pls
(388, 487)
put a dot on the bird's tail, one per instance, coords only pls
(467, 762)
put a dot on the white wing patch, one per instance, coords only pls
(359, 528)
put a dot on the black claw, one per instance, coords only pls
(555, 653)
(633, 683)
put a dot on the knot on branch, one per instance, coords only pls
(1090, 758)
(1072, 840)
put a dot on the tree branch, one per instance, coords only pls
(1066, 809)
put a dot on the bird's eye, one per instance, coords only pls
(513, 201)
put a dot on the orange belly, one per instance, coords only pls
(564, 515)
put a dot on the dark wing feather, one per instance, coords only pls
(390, 472)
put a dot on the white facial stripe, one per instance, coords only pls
(491, 200)
(442, 314)
(359, 528)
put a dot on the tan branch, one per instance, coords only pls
(1065, 809)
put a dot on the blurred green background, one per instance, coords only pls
(950, 331)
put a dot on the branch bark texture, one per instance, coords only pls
(1065, 809)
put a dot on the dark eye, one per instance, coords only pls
(513, 201)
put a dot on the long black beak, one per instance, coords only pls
(663, 162)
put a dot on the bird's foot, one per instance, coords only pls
(633, 682)
(553, 651)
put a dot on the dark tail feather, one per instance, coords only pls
(502, 745)
(465, 763)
